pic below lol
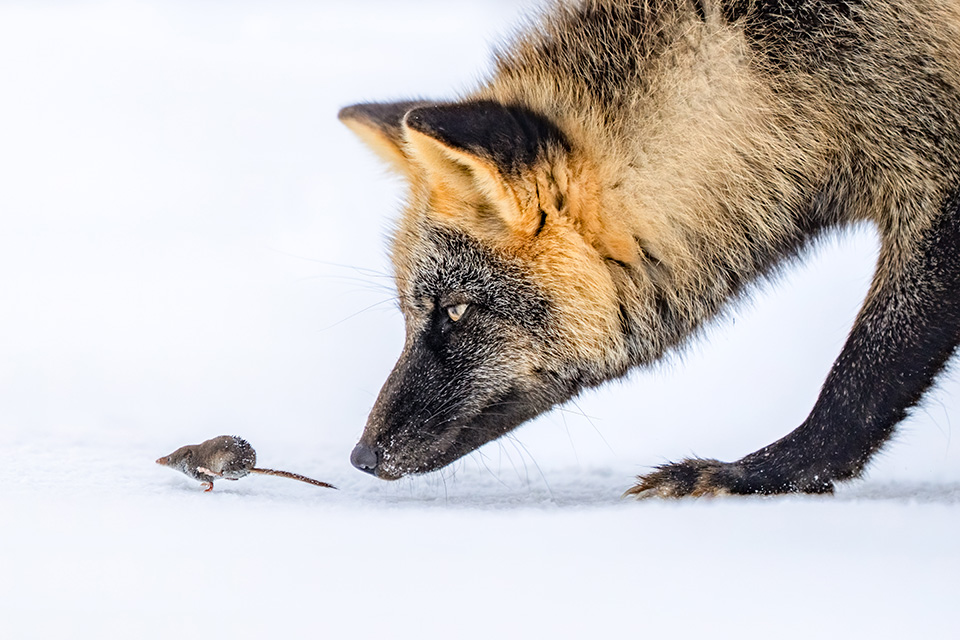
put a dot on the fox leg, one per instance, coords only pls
(907, 329)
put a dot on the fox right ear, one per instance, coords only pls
(380, 126)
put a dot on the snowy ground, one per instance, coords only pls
(190, 245)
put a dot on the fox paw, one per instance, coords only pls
(697, 477)
(693, 477)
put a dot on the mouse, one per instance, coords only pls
(224, 457)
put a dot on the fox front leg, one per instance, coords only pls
(907, 329)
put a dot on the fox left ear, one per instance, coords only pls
(481, 147)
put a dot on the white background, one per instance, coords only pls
(191, 244)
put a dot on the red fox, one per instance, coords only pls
(626, 170)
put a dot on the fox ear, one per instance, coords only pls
(481, 147)
(380, 126)
(509, 139)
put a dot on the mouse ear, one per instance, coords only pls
(380, 126)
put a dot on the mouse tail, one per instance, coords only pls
(293, 476)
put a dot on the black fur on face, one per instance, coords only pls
(461, 383)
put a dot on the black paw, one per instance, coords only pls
(692, 477)
(699, 477)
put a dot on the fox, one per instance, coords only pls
(623, 174)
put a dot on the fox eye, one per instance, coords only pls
(456, 311)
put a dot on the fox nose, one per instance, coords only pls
(365, 458)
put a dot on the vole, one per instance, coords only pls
(227, 457)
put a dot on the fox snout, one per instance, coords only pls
(429, 413)
(456, 386)
(392, 449)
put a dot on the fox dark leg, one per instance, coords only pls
(908, 328)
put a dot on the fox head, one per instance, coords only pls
(502, 275)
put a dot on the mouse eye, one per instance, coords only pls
(456, 311)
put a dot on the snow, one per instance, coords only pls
(192, 245)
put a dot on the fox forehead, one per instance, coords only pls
(444, 265)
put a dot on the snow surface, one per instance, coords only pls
(191, 244)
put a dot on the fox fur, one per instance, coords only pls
(625, 171)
